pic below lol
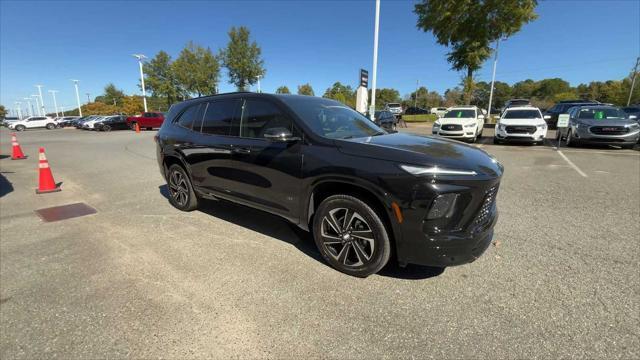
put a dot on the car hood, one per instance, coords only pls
(423, 151)
(606, 122)
(446, 121)
(516, 122)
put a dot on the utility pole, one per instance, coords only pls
(41, 100)
(30, 108)
(55, 103)
(372, 110)
(37, 105)
(493, 78)
(62, 110)
(140, 57)
(19, 105)
(633, 81)
(75, 82)
(415, 98)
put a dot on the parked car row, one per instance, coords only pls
(101, 122)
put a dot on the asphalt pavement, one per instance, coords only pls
(142, 279)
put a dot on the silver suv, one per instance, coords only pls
(607, 125)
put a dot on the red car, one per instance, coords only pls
(146, 120)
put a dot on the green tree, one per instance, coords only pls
(197, 70)
(524, 89)
(468, 27)
(385, 96)
(3, 112)
(283, 90)
(111, 96)
(305, 89)
(343, 93)
(242, 59)
(501, 93)
(548, 88)
(423, 98)
(452, 97)
(160, 78)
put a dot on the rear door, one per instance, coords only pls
(210, 154)
(37, 122)
(268, 172)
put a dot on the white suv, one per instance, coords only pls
(460, 122)
(394, 108)
(34, 122)
(522, 123)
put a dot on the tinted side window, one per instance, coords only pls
(189, 116)
(218, 117)
(260, 115)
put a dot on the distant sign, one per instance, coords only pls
(364, 78)
(563, 120)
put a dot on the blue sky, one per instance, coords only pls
(319, 42)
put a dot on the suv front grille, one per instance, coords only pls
(521, 129)
(609, 130)
(451, 127)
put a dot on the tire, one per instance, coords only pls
(50, 126)
(20, 128)
(181, 194)
(105, 128)
(338, 244)
(133, 126)
(496, 141)
(149, 129)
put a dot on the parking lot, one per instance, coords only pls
(142, 279)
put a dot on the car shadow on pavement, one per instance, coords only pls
(278, 228)
(5, 186)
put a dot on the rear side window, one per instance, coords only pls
(218, 117)
(189, 116)
(259, 116)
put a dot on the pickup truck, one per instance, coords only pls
(146, 120)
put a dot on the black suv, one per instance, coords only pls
(365, 194)
(551, 115)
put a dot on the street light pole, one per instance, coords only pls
(30, 108)
(75, 82)
(372, 111)
(55, 103)
(415, 98)
(19, 105)
(37, 104)
(144, 92)
(88, 97)
(62, 110)
(41, 100)
(493, 77)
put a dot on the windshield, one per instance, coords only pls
(522, 114)
(459, 113)
(601, 113)
(331, 119)
(393, 105)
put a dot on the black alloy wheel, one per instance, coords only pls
(351, 236)
(181, 194)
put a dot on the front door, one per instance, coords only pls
(269, 172)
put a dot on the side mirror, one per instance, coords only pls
(280, 134)
(481, 117)
(547, 117)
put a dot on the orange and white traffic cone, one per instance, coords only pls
(137, 128)
(17, 150)
(46, 183)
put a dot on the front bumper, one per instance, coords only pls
(462, 238)
(585, 136)
(465, 133)
(537, 136)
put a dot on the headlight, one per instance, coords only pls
(542, 126)
(634, 126)
(436, 124)
(471, 125)
(583, 126)
(501, 127)
(435, 170)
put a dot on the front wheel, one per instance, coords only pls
(20, 128)
(351, 236)
(570, 142)
(181, 194)
(106, 128)
(50, 126)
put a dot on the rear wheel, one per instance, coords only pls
(496, 141)
(149, 128)
(133, 126)
(351, 236)
(106, 128)
(181, 194)
(20, 128)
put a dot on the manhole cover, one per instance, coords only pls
(64, 212)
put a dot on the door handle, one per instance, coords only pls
(241, 150)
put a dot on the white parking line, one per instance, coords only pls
(574, 166)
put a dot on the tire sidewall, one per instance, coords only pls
(20, 128)
(382, 245)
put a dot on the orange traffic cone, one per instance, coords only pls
(137, 128)
(17, 150)
(47, 184)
